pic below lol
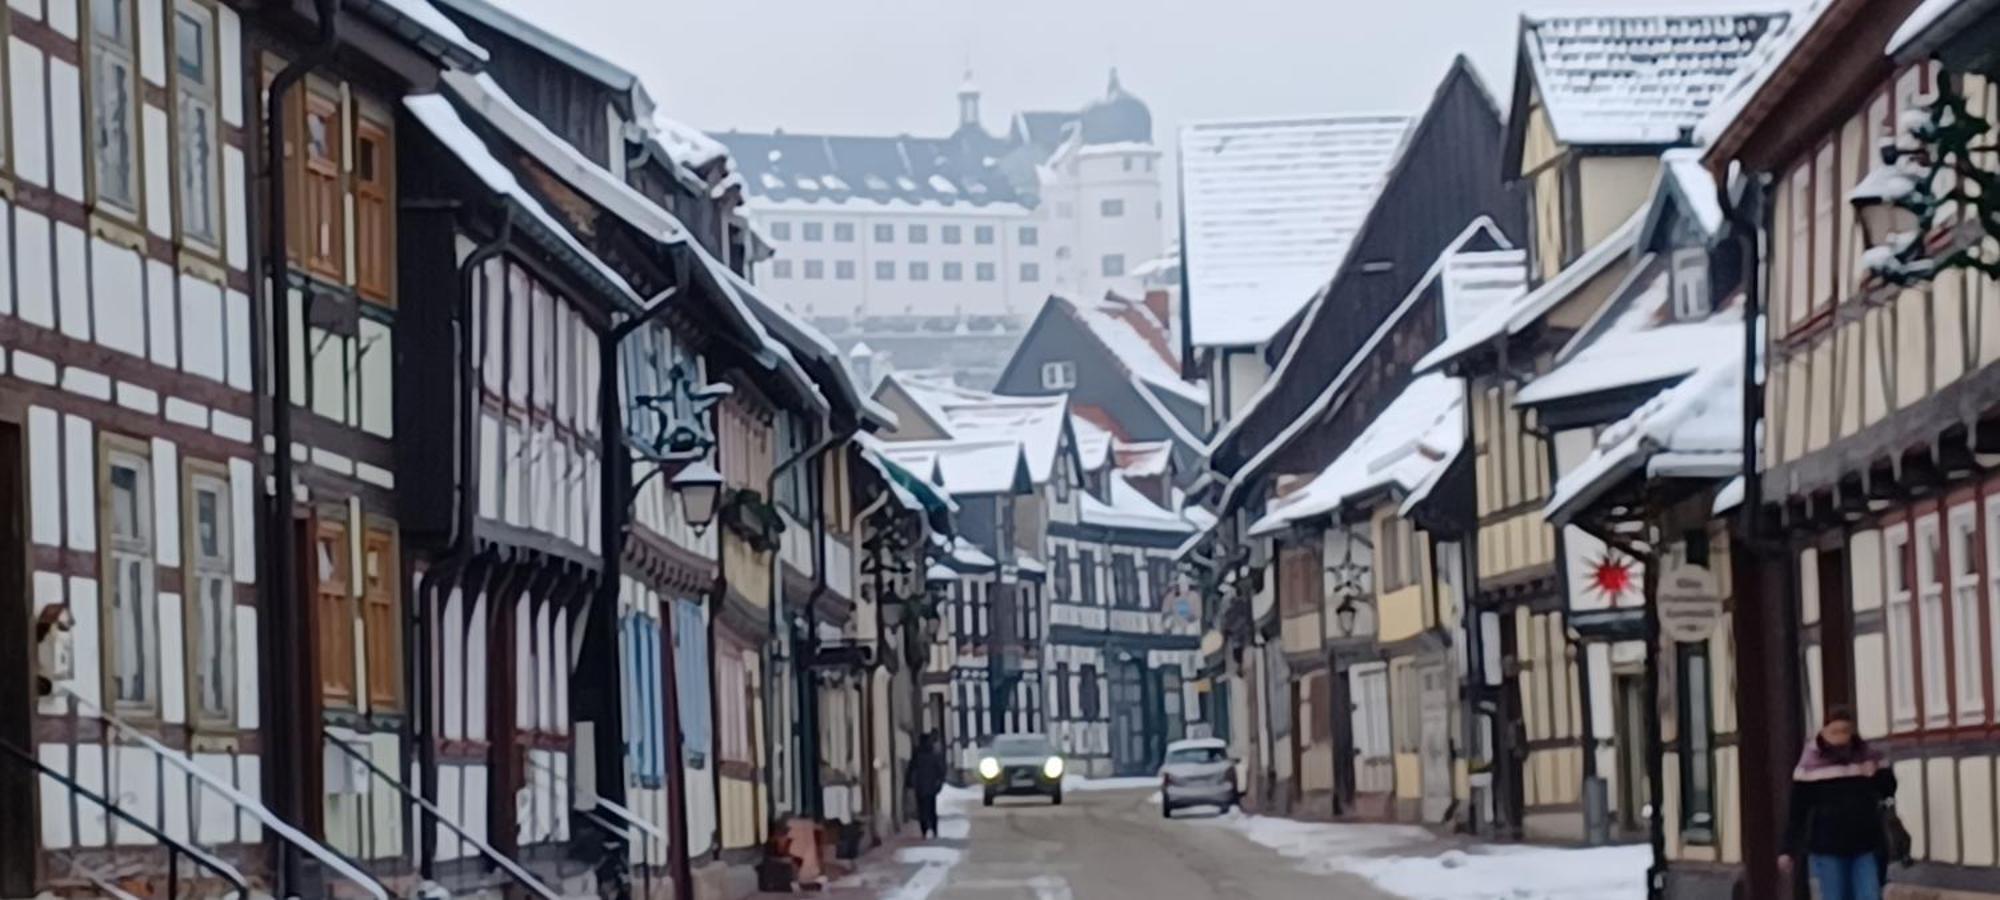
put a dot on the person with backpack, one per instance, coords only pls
(1840, 818)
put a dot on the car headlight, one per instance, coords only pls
(989, 768)
(1053, 768)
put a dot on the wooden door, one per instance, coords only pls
(1434, 740)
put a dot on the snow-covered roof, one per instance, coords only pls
(1638, 349)
(1691, 430)
(1637, 78)
(1139, 343)
(1035, 423)
(1480, 229)
(967, 554)
(1093, 443)
(483, 96)
(1142, 459)
(420, 21)
(441, 119)
(964, 468)
(1414, 435)
(1479, 281)
(1526, 308)
(1932, 24)
(1127, 507)
(1682, 175)
(688, 145)
(1269, 207)
(1754, 72)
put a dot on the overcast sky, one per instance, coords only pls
(894, 66)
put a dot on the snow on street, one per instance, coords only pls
(1108, 841)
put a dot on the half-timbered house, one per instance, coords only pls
(1361, 626)
(1871, 483)
(134, 329)
(1122, 631)
(1586, 147)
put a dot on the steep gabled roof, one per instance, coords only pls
(1269, 207)
(1036, 424)
(1137, 341)
(1444, 178)
(1626, 79)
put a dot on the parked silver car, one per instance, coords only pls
(1197, 772)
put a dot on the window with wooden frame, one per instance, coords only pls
(114, 108)
(334, 598)
(1967, 599)
(374, 210)
(1159, 580)
(1087, 704)
(1124, 581)
(1062, 574)
(1901, 622)
(320, 208)
(197, 164)
(131, 652)
(381, 619)
(1087, 573)
(1931, 634)
(210, 568)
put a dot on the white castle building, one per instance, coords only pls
(903, 240)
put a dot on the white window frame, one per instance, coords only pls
(1059, 375)
(129, 554)
(197, 182)
(1031, 272)
(1111, 207)
(115, 57)
(1930, 623)
(1690, 284)
(1897, 600)
(211, 599)
(1966, 598)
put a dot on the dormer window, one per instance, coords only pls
(1689, 280)
(1059, 376)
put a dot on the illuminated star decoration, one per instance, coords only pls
(677, 420)
(1611, 576)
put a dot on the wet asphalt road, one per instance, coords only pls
(1111, 845)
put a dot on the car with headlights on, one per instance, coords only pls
(1197, 772)
(1021, 764)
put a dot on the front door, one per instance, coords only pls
(1631, 740)
(1374, 767)
(1434, 740)
(1128, 718)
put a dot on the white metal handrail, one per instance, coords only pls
(237, 798)
(485, 849)
(621, 812)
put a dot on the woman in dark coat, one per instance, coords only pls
(926, 778)
(1836, 821)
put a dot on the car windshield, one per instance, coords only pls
(1021, 745)
(1194, 755)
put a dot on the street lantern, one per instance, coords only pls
(1344, 617)
(1877, 200)
(700, 488)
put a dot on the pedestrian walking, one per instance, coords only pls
(1840, 819)
(926, 778)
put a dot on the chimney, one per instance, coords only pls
(1160, 304)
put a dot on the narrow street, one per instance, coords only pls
(1105, 845)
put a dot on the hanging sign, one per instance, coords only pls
(1690, 603)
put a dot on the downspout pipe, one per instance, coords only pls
(287, 625)
(776, 621)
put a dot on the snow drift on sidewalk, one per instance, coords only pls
(1412, 862)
